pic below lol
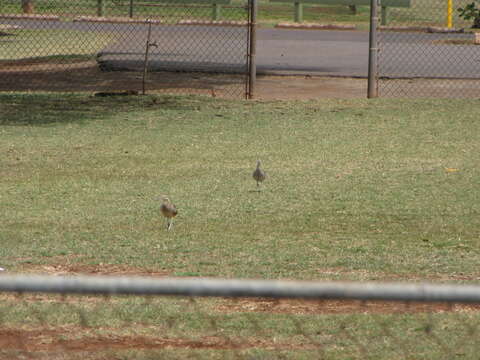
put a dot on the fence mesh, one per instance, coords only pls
(428, 49)
(46, 326)
(197, 46)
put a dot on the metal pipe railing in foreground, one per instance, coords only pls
(116, 285)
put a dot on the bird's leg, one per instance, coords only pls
(169, 224)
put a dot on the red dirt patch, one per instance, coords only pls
(100, 269)
(56, 340)
(298, 306)
(65, 265)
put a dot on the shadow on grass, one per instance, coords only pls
(50, 59)
(80, 75)
(45, 109)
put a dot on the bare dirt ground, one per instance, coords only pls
(44, 342)
(87, 77)
(309, 87)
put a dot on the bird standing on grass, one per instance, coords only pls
(259, 175)
(168, 210)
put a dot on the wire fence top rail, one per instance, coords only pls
(117, 285)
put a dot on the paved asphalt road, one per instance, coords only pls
(332, 53)
(342, 53)
(281, 51)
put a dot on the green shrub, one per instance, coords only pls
(469, 12)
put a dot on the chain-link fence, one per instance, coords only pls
(148, 318)
(184, 46)
(428, 49)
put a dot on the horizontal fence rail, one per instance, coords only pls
(114, 285)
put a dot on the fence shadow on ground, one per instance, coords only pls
(86, 76)
(87, 107)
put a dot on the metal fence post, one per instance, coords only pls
(384, 15)
(216, 11)
(130, 10)
(298, 12)
(252, 49)
(372, 91)
(449, 13)
(100, 7)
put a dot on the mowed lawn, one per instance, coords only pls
(56, 46)
(357, 189)
(419, 13)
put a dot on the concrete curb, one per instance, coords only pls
(427, 29)
(213, 22)
(315, 26)
(9, 27)
(157, 22)
(30, 17)
(433, 29)
(477, 39)
(115, 20)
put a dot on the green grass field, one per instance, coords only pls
(357, 190)
(421, 13)
(54, 45)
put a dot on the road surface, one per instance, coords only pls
(280, 51)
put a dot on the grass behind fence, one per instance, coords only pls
(57, 45)
(421, 13)
(429, 13)
(384, 189)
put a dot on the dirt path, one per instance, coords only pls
(87, 77)
(309, 87)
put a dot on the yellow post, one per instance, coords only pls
(449, 13)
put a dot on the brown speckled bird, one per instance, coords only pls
(259, 175)
(169, 211)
